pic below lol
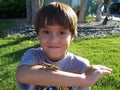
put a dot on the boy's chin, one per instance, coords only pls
(55, 58)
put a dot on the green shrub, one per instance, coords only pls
(12, 9)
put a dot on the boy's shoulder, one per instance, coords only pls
(74, 61)
(34, 50)
(74, 56)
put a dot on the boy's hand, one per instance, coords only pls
(95, 72)
(98, 69)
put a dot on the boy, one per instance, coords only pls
(52, 67)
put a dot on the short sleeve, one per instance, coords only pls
(29, 58)
(79, 64)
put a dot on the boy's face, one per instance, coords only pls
(55, 40)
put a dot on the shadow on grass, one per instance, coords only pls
(9, 59)
(12, 58)
(16, 56)
(15, 42)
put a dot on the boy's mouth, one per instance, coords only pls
(53, 47)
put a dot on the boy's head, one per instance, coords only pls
(57, 13)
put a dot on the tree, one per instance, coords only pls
(108, 7)
(107, 12)
(98, 15)
(82, 13)
(99, 3)
(41, 3)
(32, 6)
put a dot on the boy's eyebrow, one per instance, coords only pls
(59, 28)
(53, 26)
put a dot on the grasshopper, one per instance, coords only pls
(49, 66)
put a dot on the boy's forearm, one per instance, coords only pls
(38, 76)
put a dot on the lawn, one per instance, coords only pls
(105, 51)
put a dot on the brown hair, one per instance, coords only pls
(56, 13)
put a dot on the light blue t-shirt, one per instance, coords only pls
(70, 63)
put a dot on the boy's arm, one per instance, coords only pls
(37, 76)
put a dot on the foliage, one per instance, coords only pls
(105, 51)
(90, 18)
(12, 9)
(91, 8)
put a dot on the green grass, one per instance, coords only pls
(105, 51)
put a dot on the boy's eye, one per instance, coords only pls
(62, 33)
(45, 32)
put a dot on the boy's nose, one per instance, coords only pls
(54, 38)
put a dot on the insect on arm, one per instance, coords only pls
(49, 66)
